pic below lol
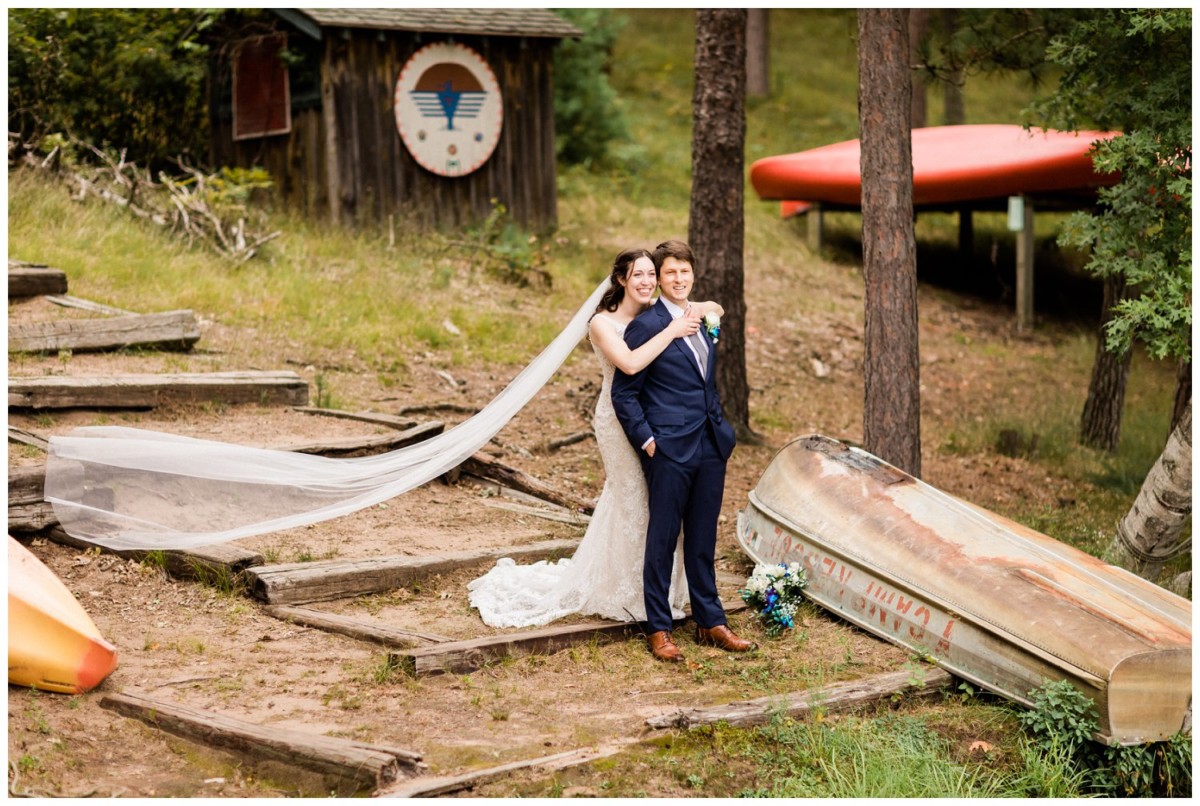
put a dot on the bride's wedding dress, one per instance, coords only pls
(604, 577)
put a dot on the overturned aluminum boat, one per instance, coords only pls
(989, 600)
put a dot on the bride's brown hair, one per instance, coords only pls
(620, 270)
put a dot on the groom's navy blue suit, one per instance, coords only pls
(670, 401)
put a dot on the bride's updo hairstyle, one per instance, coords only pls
(620, 271)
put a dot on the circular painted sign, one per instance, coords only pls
(448, 109)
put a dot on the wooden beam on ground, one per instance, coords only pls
(364, 446)
(558, 514)
(22, 437)
(148, 391)
(487, 467)
(834, 697)
(373, 631)
(67, 301)
(431, 787)
(300, 583)
(460, 657)
(172, 330)
(361, 765)
(27, 511)
(401, 423)
(31, 280)
(220, 561)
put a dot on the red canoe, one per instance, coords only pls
(951, 164)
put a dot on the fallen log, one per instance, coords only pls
(363, 446)
(27, 512)
(834, 697)
(300, 583)
(148, 391)
(484, 466)
(361, 416)
(562, 442)
(214, 563)
(375, 632)
(32, 280)
(460, 657)
(172, 330)
(356, 764)
(431, 787)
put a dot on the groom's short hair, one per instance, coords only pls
(676, 249)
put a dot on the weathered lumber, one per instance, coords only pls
(558, 514)
(27, 512)
(459, 657)
(32, 280)
(363, 446)
(148, 391)
(219, 561)
(366, 766)
(373, 631)
(834, 697)
(300, 583)
(67, 301)
(23, 437)
(430, 787)
(362, 416)
(487, 467)
(174, 330)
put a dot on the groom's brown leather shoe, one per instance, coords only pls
(663, 647)
(723, 637)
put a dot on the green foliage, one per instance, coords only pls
(1061, 724)
(587, 116)
(506, 252)
(128, 78)
(1130, 70)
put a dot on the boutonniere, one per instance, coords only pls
(712, 324)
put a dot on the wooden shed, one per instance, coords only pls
(429, 115)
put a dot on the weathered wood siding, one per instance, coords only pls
(346, 162)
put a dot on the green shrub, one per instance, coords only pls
(587, 116)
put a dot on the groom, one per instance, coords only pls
(671, 413)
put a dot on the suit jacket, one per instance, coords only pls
(669, 400)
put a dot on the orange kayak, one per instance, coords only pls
(951, 164)
(52, 642)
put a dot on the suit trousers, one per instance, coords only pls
(685, 494)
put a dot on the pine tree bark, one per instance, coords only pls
(1151, 533)
(758, 53)
(918, 31)
(1100, 423)
(892, 402)
(954, 111)
(716, 225)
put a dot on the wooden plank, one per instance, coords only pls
(373, 631)
(300, 583)
(31, 280)
(429, 787)
(484, 466)
(364, 766)
(460, 657)
(22, 437)
(175, 330)
(363, 446)
(558, 514)
(148, 391)
(67, 301)
(27, 512)
(834, 697)
(219, 561)
(362, 416)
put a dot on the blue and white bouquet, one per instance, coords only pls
(774, 591)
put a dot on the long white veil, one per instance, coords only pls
(128, 488)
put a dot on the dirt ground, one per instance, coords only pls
(191, 644)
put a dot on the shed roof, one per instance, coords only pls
(480, 21)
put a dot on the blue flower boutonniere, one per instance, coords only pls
(712, 324)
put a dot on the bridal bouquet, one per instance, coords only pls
(774, 593)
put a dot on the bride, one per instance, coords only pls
(604, 577)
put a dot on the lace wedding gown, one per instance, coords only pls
(604, 577)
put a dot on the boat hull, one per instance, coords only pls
(53, 644)
(989, 600)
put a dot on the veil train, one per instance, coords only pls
(129, 488)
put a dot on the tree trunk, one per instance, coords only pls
(918, 32)
(1183, 391)
(1100, 424)
(758, 53)
(892, 401)
(716, 222)
(953, 110)
(1150, 533)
